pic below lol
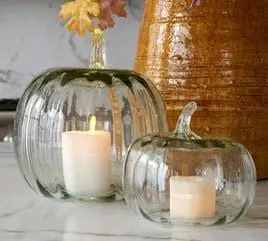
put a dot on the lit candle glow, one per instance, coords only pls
(87, 161)
(192, 197)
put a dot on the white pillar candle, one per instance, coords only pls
(192, 197)
(87, 161)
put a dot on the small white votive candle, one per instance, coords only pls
(87, 162)
(192, 197)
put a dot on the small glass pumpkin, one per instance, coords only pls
(183, 179)
(73, 127)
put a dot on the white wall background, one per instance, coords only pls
(33, 38)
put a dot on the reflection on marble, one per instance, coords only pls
(26, 216)
(34, 38)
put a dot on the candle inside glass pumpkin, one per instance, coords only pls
(87, 161)
(192, 197)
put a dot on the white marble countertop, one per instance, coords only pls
(26, 216)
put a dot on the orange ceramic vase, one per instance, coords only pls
(215, 53)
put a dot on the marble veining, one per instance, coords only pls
(26, 216)
(34, 38)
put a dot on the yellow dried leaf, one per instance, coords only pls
(81, 14)
(89, 24)
(71, 25)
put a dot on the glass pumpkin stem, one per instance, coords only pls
(98, 59)
(183, 129)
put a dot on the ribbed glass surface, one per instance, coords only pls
(125, 105)
(195, 182)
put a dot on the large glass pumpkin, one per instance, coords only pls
(182, 179)
(73, 127)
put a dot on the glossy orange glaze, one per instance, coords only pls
(216, 56)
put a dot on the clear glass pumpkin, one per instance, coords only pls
(73, 127)
(183, 179)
